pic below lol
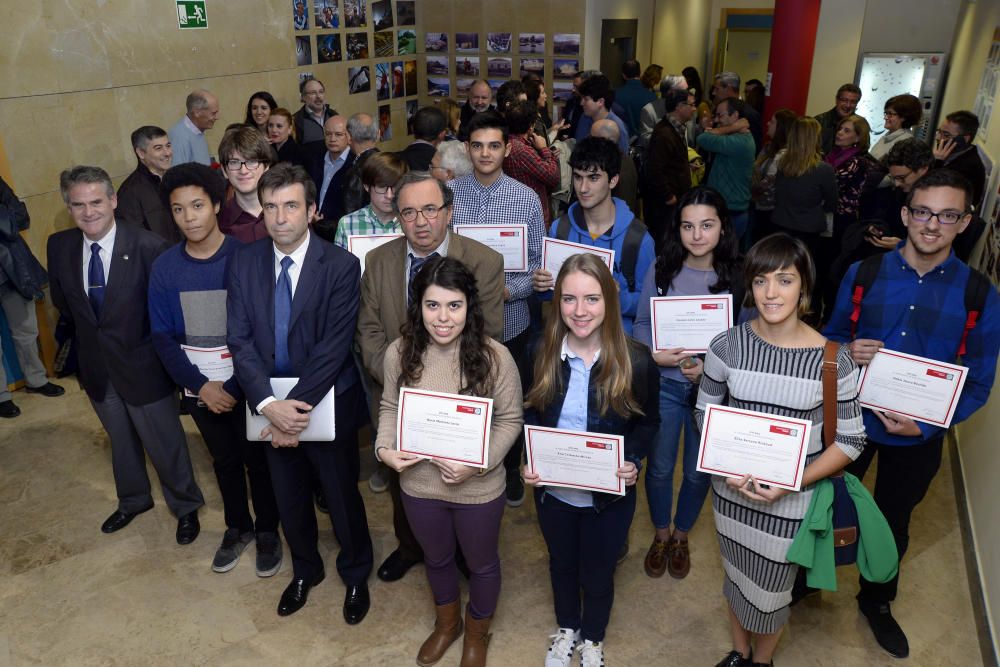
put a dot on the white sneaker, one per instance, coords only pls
(591, 654)
(561, 649)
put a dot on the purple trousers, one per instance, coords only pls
(436, 524)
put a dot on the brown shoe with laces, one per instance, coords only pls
(678, 558)
(656, 559)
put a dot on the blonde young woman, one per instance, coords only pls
(588, 376)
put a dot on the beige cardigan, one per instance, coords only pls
(441, 373)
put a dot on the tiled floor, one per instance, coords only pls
(71, 595)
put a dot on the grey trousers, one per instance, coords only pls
(155, 428)
(21, 319)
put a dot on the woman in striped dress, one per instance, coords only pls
(773, 364)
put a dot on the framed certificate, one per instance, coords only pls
(922, 389)
(556, 251)
(215, 363)
(575, 459)
(360, 245)
(511, 241)
(444, 426)
(690, 322)
(737, 442)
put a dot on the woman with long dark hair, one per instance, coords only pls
(773, 364)
(588, 376)
(260, 106)
(444, 348)
(700, 258)
(281, 134)
(765, 169)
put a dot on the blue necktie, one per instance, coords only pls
(282, 314)
(415, 264)
(95, 276)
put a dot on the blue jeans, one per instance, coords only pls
(675, 413)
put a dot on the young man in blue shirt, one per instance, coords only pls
(916, 304)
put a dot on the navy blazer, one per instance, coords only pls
(321, 330)
(117, 347)
(332, 206)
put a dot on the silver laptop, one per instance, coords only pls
(322, 426)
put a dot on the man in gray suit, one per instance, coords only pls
(423, 206)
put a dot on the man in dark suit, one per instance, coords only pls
(384, 289)
(328, 172)
(429, 127)
(139, 201)
(362, 133)
(292, 308)
(99, 275)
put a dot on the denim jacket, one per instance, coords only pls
(639, 430)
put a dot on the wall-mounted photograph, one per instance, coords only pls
(533, 66)
(300, 14)
(383, 87)
(498, 42)
(437, 65)
(462, 87)
(531, 42)
(382, 14)
(410, 77)
(406, 13)
(355, 14)
(467, 65)
(356, 45)
(398, 90)
(406, 42)
(562, 91)
(327, 14)
(435, 42)
(303, 51)
(499, 67)
(566, 44)
(385, 122)
(359, 79)
(411, 111)
(437, 87)
(328, 48)
(467, 42)
(384, 41)
(564, 69)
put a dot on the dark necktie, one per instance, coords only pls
(95, 276)
(282, 314)
(415, 264)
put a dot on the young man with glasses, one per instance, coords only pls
(424, 208)
(848, 96)
(245, 156)
(953, 149)
(378, 175)
(916, 304)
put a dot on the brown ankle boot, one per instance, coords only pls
(477, 638)
(447, 628)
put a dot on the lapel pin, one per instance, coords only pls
(125, 257)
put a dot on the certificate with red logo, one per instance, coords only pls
(444, 426)
(922, 389)
(575, 459)
(511, 241)
(555, 252)
(771, 448)
(690, 322)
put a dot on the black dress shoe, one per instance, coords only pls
(735, 659)
(296, 594)
(356, 603)
(119, 520)
(188, 528)
(887, 632)
(47, 389)
(395, 566)
(8, 410)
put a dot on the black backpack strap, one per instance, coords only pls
(562, 227)
(863, 279)
(977, 290)
(630, 251)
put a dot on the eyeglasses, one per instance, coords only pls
(899, 180)
(381, 189)
(944, 134)
(890, 113)
(430, 213)
(236, 165)
(923, 214)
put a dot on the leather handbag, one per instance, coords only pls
(845, 515)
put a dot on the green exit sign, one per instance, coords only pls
(191, 14)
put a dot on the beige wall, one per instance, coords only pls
(838, 37)
(77, 76)
(680, 35)
(598, 10)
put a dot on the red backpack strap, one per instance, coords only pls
(977, 289)
(864, 277)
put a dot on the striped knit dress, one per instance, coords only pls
(744, 371)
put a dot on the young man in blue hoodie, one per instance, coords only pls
(600, 220)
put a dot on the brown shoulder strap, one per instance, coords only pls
(830, 392)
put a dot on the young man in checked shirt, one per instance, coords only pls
(378, 174)
(916, 305)
(488, 196)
